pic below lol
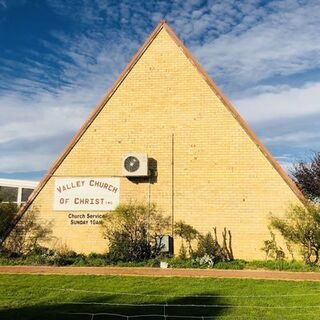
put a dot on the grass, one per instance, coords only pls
(282, 265)
(25, 297)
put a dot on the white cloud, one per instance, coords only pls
(285, 118)
(48, 105)
(238, 42)
(284, 103)
(24, 162)
(293, 137)
(29, 120)
(34, 122)
(35, 111)
(267, 42)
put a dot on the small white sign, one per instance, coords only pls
(82, 194)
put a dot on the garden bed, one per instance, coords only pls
(96, 260)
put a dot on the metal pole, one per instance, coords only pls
(172, 185)
(149, 205)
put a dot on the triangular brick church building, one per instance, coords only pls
(167, 124)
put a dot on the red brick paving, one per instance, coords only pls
(213, 273)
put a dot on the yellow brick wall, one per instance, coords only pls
(221, 178)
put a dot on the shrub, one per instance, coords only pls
(205, 261)
(60, 256)
(271, 248)
(237, 264)
(60, 260)
(187, 233)
(27, 235)
(209, 250)
(7, 214)
(176, 262)
(132, 231)
(182, 252)
(209, 246)
(301, 226)
(307, 176)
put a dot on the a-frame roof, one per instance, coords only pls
(104, 100)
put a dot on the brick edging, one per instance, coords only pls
(157, 272)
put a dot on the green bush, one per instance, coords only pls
(182, 252)
(176, 262)
(271, 248)
(207, 246)
(187, 233)
(209, 250)
(132, 231)
(234, 264)
(26, 236)
(7, 214)
(301, 226)
(282, 265)
(101, 260)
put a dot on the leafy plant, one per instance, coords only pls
(187, 233)
(271, 248)
(205, 260)
(301, 226)
(132, 231)
(182, 252)
(207, 245)
(210, 246)
(27, 235)
(7, 214)
(307, 176)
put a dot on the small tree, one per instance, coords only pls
(210, 246)
(132, 231)
(306, 175)
(182, 252)
(207, 245)
(301, 226)
(27, 235)
(271, 248)
(187, 233)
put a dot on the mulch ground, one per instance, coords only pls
(212, 273)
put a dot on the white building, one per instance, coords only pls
(16, 191)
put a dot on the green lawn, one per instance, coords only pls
(79, 297)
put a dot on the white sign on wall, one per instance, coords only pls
(82, 194)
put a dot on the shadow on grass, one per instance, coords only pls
(86, 309)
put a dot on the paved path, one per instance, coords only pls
(213, 273)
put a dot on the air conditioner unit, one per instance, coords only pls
(135, 165)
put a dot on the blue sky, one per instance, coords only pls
(58, 58)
